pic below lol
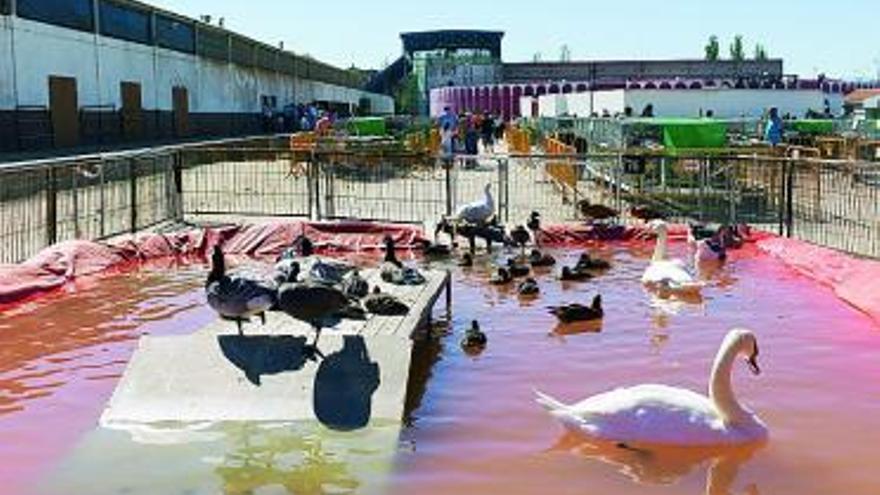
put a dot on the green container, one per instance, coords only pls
(368, 126)
(693, 133)
(812, 126)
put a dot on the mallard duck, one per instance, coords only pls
(587, 263)
(520, 237)
(434, 250)
(534, 223)
(382, 304)
(392, 270)
(466, 261)
(592, 212)
(577, 312)
(474, 338)
(354, 286)
(501, 277)
(237, 298)
(538, 259)
(574, 275)
(517, 269)
(646, 213)
(529, 287)
(319, 305)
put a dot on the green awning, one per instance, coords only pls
(692, 133)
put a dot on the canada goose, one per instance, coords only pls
(234, 297)
(577, 312)
(592, 212)
(382, 304)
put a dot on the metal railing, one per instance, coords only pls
(832, 203)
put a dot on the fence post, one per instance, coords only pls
(102, 200)
(316, 185)
(51, 207)
(447, 166)
(132, 198)
(789, 201)
(503, 189)
(177, 173)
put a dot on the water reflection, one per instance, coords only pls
(666, 465)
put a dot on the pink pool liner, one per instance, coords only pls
(856, 281)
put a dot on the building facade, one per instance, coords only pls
(85, 72)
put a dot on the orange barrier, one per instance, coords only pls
(434, 141)
(303, 141)
(518, 140)
(564, 172)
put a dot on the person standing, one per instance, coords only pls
(487, 129)
(774, 128)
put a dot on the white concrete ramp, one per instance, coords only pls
(216, 375)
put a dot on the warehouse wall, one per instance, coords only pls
(224, 98)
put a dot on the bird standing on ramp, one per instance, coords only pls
(236, 298)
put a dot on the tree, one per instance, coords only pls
(536, 57)
(713, 49)
(760, 52)
(565, 54)
(737, 52)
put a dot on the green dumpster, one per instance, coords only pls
(367, 126)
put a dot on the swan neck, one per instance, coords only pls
(720, 386)
(660, 248)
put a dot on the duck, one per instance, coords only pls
(382, 304)
(501, 277)
(534, 223)
(646, 213)
(302, 247)
(709, 250)
(529, 287)
(237, 298)
(520, 237)
(517, 269)
(571, 313)
(660, 415)
(474, 338)
(664, 272)
(466, 261)
(394, 272)
(480, 211)
(593, 212)
(541, 260)
(574, 275)
(354, 286)
(434, 250)
(319, 305)
(587, 263)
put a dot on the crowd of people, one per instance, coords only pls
(300, 117)
(465, 133)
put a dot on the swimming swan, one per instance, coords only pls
(666, 273)
(658, 415)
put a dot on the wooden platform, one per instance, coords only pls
(214, 374)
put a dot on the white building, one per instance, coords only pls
(103, 71)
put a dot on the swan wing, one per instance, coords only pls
(667, 271)
(649, 415)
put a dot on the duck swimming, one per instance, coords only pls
(659, 415)
(574, 275)
(587, 263)
(474, 338)
(236, 298)
(501, 276)
(529, 287)
(571, 313)
(540, 260)
(517, 269)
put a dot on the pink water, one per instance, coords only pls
(476, 428)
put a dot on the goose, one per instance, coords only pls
(571, 313)
(480, 211)
(236, 298)
(466, 261)
(529, 287)
(354, 286)
(382, 304)
(659, 415)
(574, 275)
(392, 270)
(520, 237)
(501, 276)
(665, 272)
(540, 260)
(593, 212)
(587, 262)
(474, 338)
(517, 269)
(319, 305)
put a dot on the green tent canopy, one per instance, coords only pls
(367, 126)
(812, 126)
(687, 133)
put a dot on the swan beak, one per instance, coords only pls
(753, 365)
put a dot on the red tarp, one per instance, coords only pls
(58, 264)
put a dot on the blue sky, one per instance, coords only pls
(837, 37)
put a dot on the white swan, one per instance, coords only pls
(479, 211)
(665, 273)
(657, 415)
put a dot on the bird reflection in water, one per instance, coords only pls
(667, 465)
(563, 330)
